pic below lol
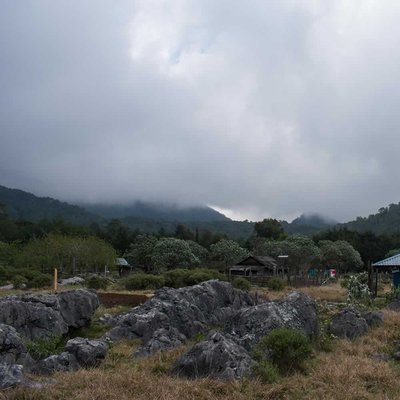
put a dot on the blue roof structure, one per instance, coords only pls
(393, 261)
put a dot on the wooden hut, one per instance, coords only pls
(255, 266)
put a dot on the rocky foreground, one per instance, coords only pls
(31, 317)
(231, 321)
(173, 316)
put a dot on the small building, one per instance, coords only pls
(124, 268)
(390, 264)
(256, 266)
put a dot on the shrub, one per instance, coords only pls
(19, 282)
(358, 291)
(39, 281)
(266, 371)
(394, 294)
(177, 278)
(44, 347)
(286, 348)
(144, 281)
(97, 282)
(185, 277)
(199, 275)
(241, 283)
(276, 283)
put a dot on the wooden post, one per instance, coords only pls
(55, 280)
(370, 277)
(376, 282)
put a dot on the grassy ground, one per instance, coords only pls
(348, 371)
(332, 293)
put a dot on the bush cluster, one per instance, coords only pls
(44, 347)
(144, 281)
(97, 282)
(276, 283)
(241, 283)
(21, 277)
(175, 278)
(287, 350)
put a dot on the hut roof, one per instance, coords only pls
(393, 261)
(121, 262)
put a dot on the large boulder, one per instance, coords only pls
(348, 323)
(373, 318)
(88, 353)
(77, 306)
(189, 310)
(10, 375)
(36, 316)
(297, 311)
(65, 362)
(162, 339)
(216, 357)
(12, 347)
(394, 305)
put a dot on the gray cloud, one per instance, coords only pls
(264, 108)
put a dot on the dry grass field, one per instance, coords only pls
(348, 371)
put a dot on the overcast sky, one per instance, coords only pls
(262, 108)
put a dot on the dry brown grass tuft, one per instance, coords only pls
(332, 292)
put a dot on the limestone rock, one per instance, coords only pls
(189, 310)
(57, 362)
(77, 306)
(12, 347)
(36, 316)
(10, 375)
(348, 323)
(162, 339)
(373, 318)
(297, 311)
(216, 357)
(88, 353)
(76, 280)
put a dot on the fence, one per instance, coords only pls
(294, 281)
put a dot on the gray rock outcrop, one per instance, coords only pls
(216, 357)
(36, 316)
(348, 323)
(10, 375)
(162, 339)
(65, 362)
(76, 280)
(12, 347)
(188, 310)
(297, 311)
(78, 353)
(373, 318)
(77, 306)
(394, 305)
(88, 353)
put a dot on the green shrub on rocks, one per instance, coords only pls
(144, 281)
(286, 348)
(276, 283)
(241, 283)
(97, 282)
(265, 371)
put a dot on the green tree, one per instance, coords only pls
(170, 253)
(392, 253)
(199, 251)
(228, 252)
(269, 228)
(141, 250)
(340, 255)
(301, 251)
